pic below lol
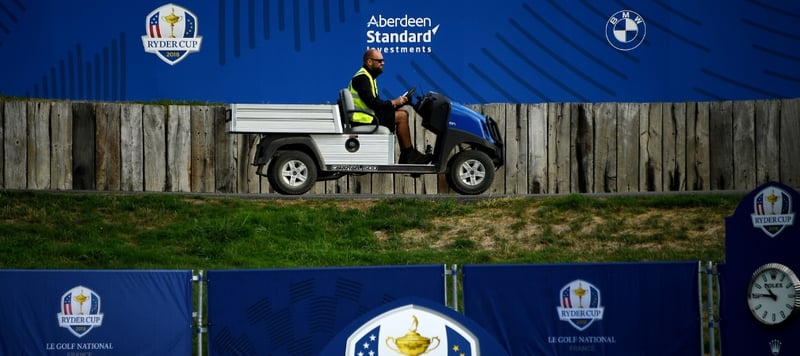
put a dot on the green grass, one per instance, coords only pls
(46, 230)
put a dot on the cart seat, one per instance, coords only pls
(347, 109)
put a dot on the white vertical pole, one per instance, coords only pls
(710, 298)
(454, 271)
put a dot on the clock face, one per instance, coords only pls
(774, 293)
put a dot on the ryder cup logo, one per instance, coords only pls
(171, 33)
(772, 211)
(80, 311)
(625, 30)
(580, 304)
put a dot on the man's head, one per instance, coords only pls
(373, 61)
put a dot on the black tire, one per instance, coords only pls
(292, 172)
(470, 172)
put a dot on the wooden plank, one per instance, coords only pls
(790, 150)
(430, 182)
(107, 157)
(61, 146)
(651, 146)
(202, 151)
(499, 113)
(179, 141)
(605, 163)
(38, 142)
(573, 163)
(561, 147)
(537, 148)
(248, 180)
(720, 133)
(15, 145)
(698, 166)
(767, 140)
(584, 147)
(696, 152)
(674, 152)
(154, 137)
(628, 147)
(744, 150)
(516, 152)
(224, 162)
(83, 146)
(131, 148)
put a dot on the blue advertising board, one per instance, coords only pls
(49, 312)
(759, 299)
(298, 311)
(579, 309)
(474, 51)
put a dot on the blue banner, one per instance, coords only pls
(96, 312)
(759, 289)
(474, 51)
(298, 311)
(580, 309)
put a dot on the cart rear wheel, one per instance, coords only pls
(292, 172)
(470, 172)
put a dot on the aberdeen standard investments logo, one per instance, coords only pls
(171, 33)
(625, 30)
(80, 311)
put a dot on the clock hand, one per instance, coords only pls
(772, 294)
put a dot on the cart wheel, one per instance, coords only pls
(470, 172)
(292, 172)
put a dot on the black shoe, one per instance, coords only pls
(414, 157)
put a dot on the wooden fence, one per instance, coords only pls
(550, 148)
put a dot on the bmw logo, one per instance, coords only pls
(625, 30)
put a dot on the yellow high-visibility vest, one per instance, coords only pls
(360, 104)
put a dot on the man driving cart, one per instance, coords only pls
(390, 113)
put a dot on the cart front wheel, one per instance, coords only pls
(470, 172)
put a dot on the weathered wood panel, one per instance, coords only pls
(179, 141)
(651, 146)
(537, 149)
(720, 137)
(61, 141)
(605, 147)
(154, 134)
(674, 138)
(698, 167)
(627, 147)
(790, 149)
(584, 148)
(202, 149)
(248, 181)
(107, 157)
(15, 150)
(560, 130)
(83, 146)
(38, 142)
(744, 150)
(767, 140)
(224, 153)
(500, 112)
(131, 148)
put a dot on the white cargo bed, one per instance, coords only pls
(285, 118)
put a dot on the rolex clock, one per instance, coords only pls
(774, 294)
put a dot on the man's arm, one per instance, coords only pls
(364, 88)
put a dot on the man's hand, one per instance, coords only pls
(400, 101)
